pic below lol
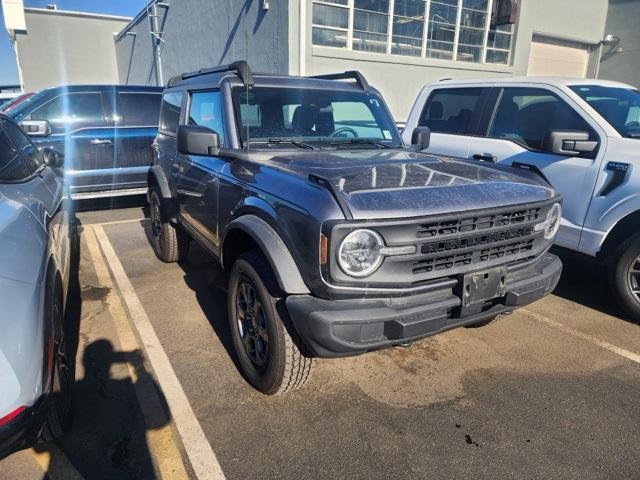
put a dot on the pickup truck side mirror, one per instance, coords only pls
(569, 143)
(36, 128)
(421, 137)
(52, 158)
(199, 141)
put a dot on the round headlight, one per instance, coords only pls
(359, 253)
(553, 221)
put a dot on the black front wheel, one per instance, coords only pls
(624, 272)
(269, 358)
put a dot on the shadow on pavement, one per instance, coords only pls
(586, 282)
(207, 279)
(107, 439)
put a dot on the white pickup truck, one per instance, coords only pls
(581, 135)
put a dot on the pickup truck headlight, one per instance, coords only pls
(551, 223)
(359, 253)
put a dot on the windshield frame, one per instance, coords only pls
(610, 92)
(320, 142)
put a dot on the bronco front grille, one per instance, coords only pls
(446, 262)
(455, 245)
(471, 224)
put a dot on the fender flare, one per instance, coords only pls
(169, 206)
(161, 180)
(277, 253)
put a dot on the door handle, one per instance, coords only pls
(485, 157)
(100, 141)
(177, 168)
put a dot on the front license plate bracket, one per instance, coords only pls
(479, 287)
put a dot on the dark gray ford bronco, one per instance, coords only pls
(336, 237)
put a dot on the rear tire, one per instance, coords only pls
(269, 357)
(60, 414)
(624, 274)
(170, 243)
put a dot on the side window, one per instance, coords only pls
(526, 115)
(30, 153)
(206, 111)
(139, 109)
(72, 111)
(170, 112)
(12, 166)
(451, 110)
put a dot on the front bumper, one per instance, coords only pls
(335, 328)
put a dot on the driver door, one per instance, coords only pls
(199, 179)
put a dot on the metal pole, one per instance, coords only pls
(157, 43)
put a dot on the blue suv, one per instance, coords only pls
(104, 132)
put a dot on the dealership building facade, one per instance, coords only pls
(399, 45)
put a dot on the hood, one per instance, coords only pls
(377, 184)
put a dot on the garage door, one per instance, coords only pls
(553, 57)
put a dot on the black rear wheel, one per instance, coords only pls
(170, 242)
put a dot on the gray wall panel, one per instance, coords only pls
(61, 48)
(204, 33)
(621, 61)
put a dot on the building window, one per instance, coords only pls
(442, 29)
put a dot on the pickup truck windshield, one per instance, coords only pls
(313, 118)
(619, 106)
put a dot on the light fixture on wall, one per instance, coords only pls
(611, 39)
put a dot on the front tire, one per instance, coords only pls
(269, 358)
(624, 272)
(170, 243)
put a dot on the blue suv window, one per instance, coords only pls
(12, 166)
(170, 112)
(206, 111)
(139, 109)
(72, 111)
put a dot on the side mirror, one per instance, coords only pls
(199, 141)
(36, 128)
(421, 137)
(52, 158)
(569, 143)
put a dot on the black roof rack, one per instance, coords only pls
(352, 74)
(241, 68)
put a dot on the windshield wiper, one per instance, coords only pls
(361, 141)
(284, 141)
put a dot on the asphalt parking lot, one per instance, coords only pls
(551, 391)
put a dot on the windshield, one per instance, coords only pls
(313, 118)
(619, 106)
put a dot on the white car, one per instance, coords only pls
(581, 135)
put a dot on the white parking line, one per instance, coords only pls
(201, 455)
(160, 440)
(634, 357)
